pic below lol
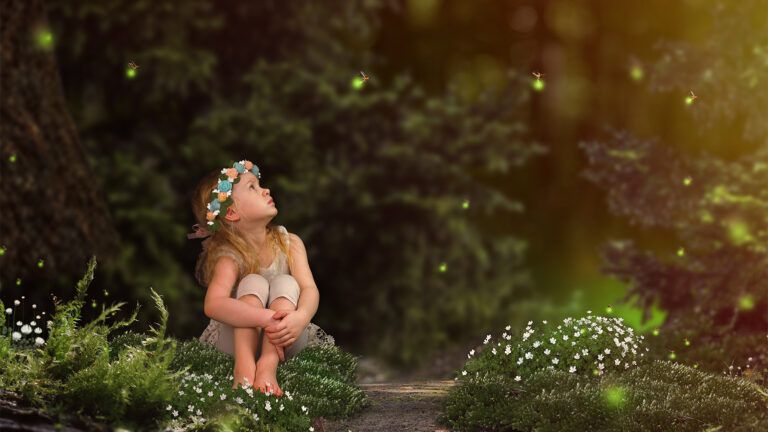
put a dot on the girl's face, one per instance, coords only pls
(252, 202)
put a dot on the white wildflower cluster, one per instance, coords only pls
(22, 330)
(588, 345)
(201, 395)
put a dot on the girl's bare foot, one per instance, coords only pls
(265, 381)
(243, 374)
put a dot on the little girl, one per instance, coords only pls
(258, 278)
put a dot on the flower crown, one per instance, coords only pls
(221, 196)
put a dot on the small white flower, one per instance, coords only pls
(555, 360)
(599, 356)
(547, 351)
(223, 396)
(19, 323)
(601, 366)
(168, 408)
(617, 362)
(9, 311)
(38, 330)
(536, 344)
(520, 360)
(16, 336)
(463, 372)
(572, 369)
(16, 302)
(267, 406)
(517, 378)
(545, 321)
(493, 351)
(281, 407)
(508, 350)
(576, 356)
(175, 413)
(552, 340)
(565, 337)
(607, 351)
(529, 323)
(239, 400)
(210, 393)
(311, 429)
(198, 412)
(34, 306)
(528, 355)
(303, 408)
(39, 341)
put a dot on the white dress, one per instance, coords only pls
(314, 334)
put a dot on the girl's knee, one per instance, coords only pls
(253, 285)
(286, 286)
(285, 281)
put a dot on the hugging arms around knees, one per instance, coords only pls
(221, 307)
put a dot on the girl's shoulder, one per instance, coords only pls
(224, 250)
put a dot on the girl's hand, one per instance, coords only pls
(287, 331)
(272, 318)
(273, 321)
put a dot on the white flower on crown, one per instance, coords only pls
(223, 170)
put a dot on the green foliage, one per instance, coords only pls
(498, 394)
(149, 380)
(714, 282)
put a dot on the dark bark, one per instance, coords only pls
(52, 208)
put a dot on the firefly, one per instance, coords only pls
(443, 267)
(689, 99)
(465, 205)
(131, 71)
(537, 84)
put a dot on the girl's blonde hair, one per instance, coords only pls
(226, 236)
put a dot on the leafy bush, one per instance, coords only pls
(592, 344)
(498, 392)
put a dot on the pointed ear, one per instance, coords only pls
(232, 215)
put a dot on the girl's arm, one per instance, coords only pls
(221, 307)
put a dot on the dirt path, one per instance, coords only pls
(407, 406)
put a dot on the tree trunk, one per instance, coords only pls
(52, 208)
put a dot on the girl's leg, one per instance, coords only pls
(246, 341)
(253, 289)
(283, 295)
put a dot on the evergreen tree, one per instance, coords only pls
(714, 286)
(381, 181)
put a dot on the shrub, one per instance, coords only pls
(499, 393)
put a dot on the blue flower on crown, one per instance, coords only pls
(239, 167)
(225, 185)
(255, 171)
